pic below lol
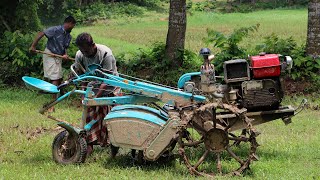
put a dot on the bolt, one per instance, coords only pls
(151, 153)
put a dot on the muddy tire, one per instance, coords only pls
(68, 149)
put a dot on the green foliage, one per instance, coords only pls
(144, 3)
(228, 44)
(245, 6)
(15, 60)
(208, 5)
(306, 68)
(274, 44)
(27, 17)
(52, 12)
(150, 64)
(101, 11)
(19, 15)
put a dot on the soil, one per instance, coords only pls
(292, 87)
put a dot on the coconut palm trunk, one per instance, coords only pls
(176, 31)
(313, 36)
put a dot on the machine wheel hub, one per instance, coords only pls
(216, 140)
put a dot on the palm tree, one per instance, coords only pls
(313, 36)
(176, 30)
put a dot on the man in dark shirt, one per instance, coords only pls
(58, 41)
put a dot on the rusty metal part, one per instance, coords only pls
(216, 140)
(164, 138)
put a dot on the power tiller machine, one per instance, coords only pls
(209, 120)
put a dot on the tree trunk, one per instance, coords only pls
(313, 36)
(176, 31)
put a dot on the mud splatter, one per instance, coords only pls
(33, 133)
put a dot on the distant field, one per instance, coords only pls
(124, 35)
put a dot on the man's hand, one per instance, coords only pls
(65, 57)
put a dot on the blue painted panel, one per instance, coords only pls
(144, 88)
(88, 126)
(186, 77)
(39, 84)
(135, 114)
(131, 99)
(146, 108)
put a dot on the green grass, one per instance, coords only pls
(286, 152)
(129, 34)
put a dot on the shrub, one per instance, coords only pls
(274, 44)
(246, 6)
(15, 60)
(151, 65)
(101, 11)
(228, 45)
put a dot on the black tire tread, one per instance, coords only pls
(80, 155)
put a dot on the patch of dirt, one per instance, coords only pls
(36, 132)
(296, 87)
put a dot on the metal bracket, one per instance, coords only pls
(301, 106)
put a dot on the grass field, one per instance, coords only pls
(286, 152)
(129, 34)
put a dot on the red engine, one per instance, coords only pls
(265, 65)
(258, 85)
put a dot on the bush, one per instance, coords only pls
(245, 6)
(15, 60)
(151, 65)
(207, 5)
(306, 68)
(101, 11)
(274, 44)
(228, 45)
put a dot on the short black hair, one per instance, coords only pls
(84, 39)
(70, 19)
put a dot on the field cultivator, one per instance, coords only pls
(208, 120)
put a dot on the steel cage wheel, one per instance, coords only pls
(68, 149)
(215, 151)
(202, 160)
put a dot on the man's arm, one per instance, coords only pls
(109, 64)
(35, 42)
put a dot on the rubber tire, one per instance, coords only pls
(79, 151)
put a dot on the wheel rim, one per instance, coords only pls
(217, 151)
(216, 158)
(67, 148)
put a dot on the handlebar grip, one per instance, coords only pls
(66, 83)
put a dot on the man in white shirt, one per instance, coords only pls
(91, 53)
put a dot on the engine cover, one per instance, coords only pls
(261, 94)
